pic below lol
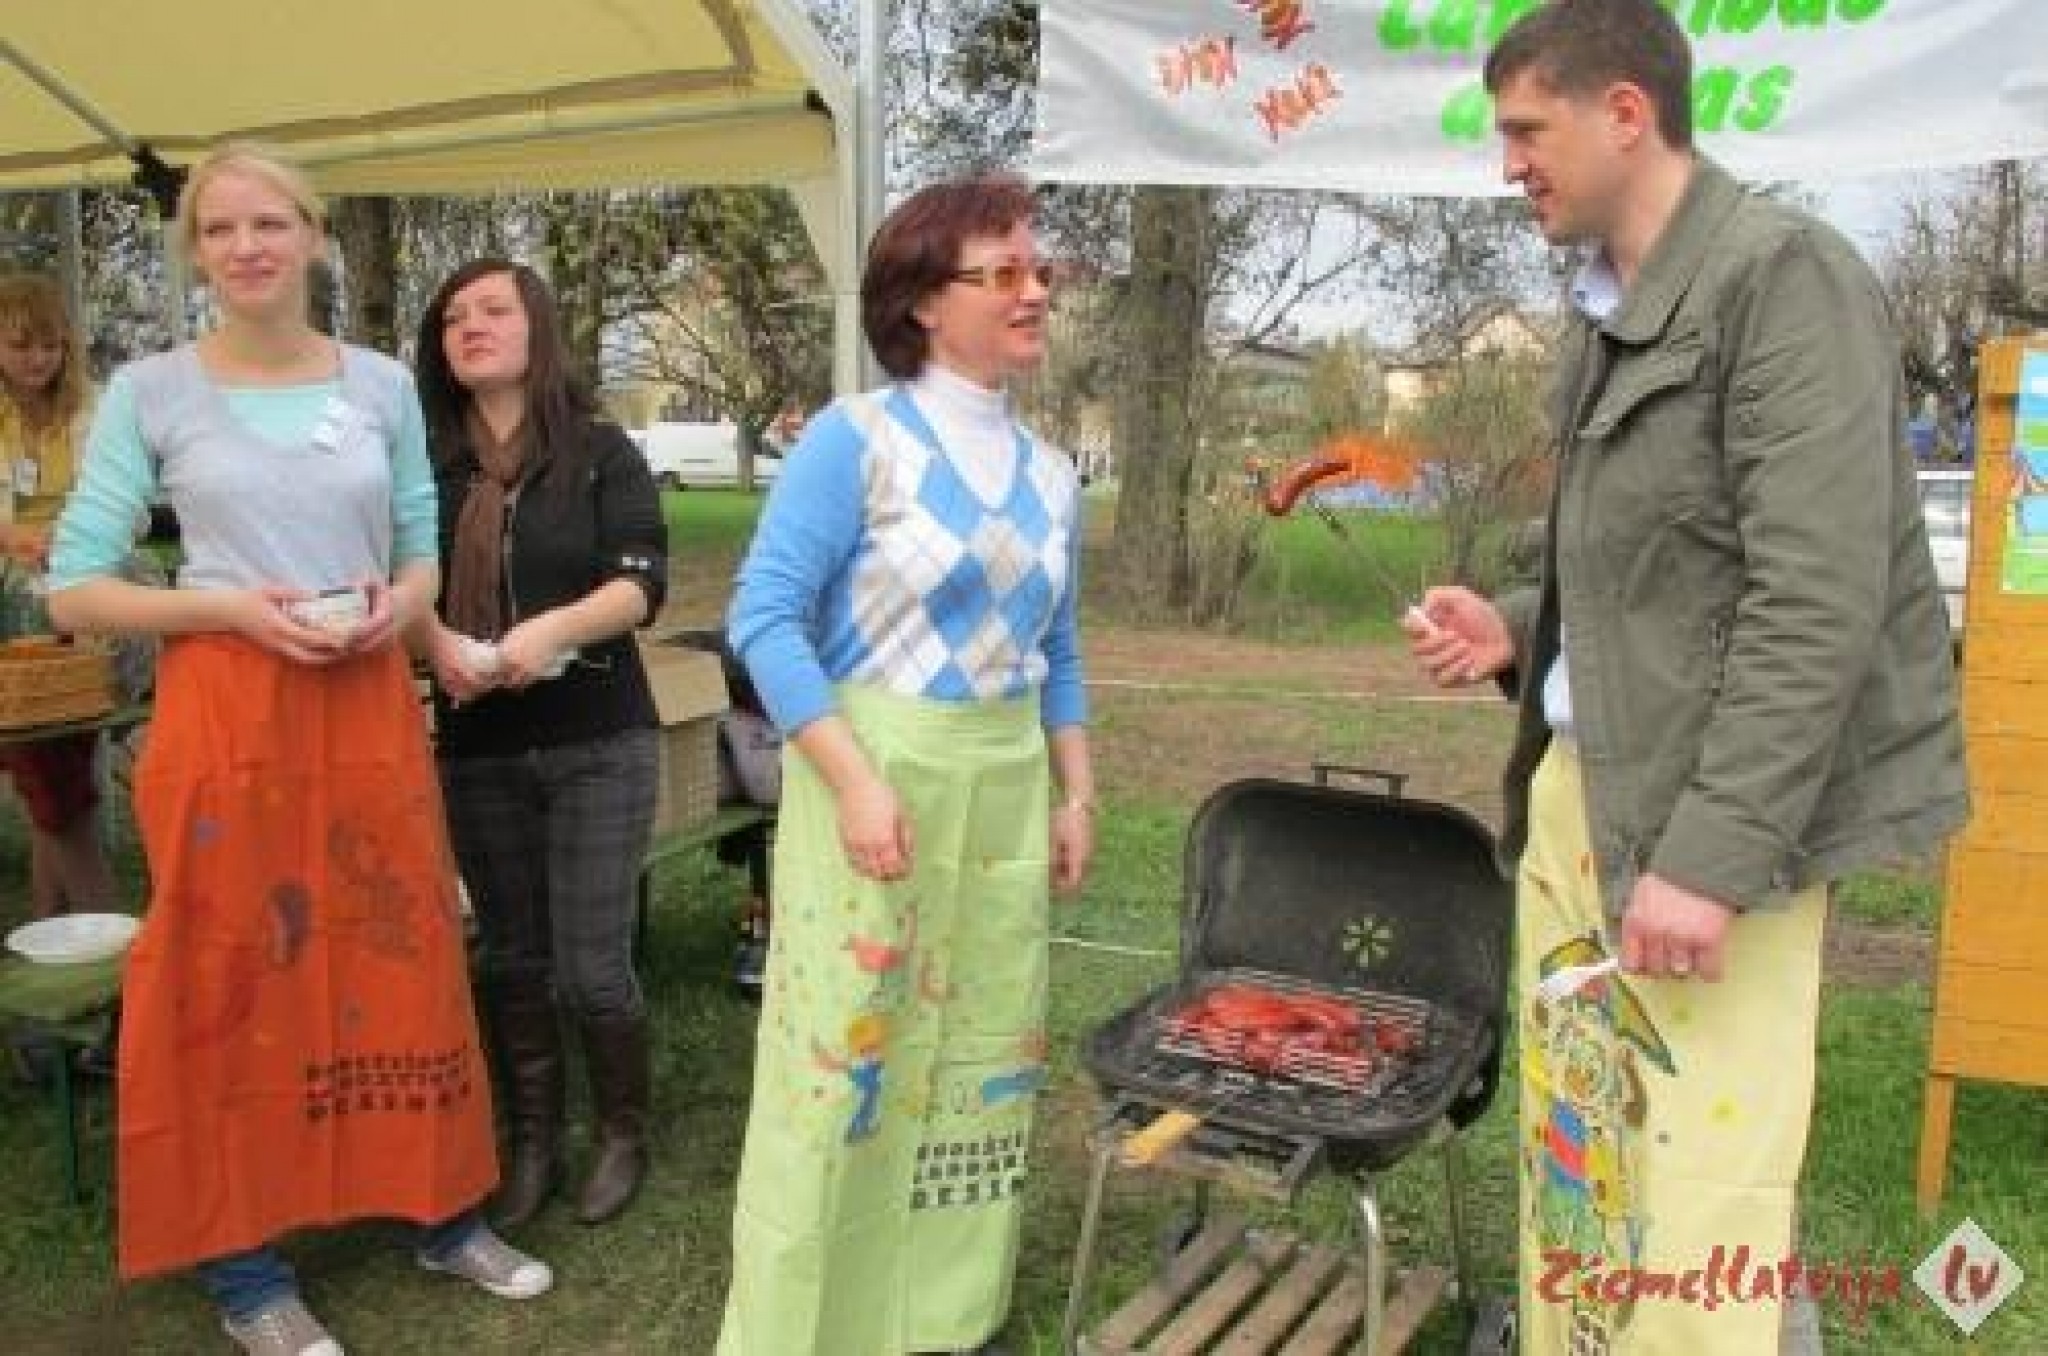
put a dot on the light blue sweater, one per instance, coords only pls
(309, 486)
(877, 562)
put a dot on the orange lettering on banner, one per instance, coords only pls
(1280, 21)
(1207, 61)
(1284, 108)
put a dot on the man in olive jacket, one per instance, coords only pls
(1735, 686)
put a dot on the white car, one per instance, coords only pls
(700, 455)
(1945, 504)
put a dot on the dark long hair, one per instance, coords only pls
(558, 407)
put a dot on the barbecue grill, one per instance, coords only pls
(1389, 913)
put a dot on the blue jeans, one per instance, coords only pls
(244, 1284)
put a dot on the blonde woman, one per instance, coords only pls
(44, 404)
(298, 1045)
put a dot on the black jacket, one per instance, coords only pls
(584, 516)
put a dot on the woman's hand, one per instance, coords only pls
(1465, 640)
(448, 656)
(1073, 844)
(529, 651)
(874, 831)
(384, 619)
(261, 615)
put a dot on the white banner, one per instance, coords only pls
(1384, 96)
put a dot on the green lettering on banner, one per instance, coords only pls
(1804, 13)
(1398, 32)
(1505, 12)
(1713, 94)
(1724, 99)
(1451, 25)
(1767, 90)
(1741, 16)
(1468, 114)
(1698, 21)
(1455, 25)
(1856, 11)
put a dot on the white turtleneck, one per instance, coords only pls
(974, 428)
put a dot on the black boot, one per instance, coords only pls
(528, 1035)
(615, 1049)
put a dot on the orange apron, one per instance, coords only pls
(297, 1043)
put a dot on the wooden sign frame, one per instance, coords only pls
(1991, 966)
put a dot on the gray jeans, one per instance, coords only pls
(549, 842)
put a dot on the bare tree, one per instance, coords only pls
(1162, 323)
(367, 230)
(1966, 259)
(736, 316)
(1488, 441)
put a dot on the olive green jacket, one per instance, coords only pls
(1763, 694)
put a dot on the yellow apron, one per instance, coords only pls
(1663, 1122)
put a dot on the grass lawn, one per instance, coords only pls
(1310, 585)
(654, 1280)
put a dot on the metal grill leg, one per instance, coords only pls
(1084, 1250)
(1375, 1269)
(1454, 1205)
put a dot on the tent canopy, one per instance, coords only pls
(439, 96)
(406, 96)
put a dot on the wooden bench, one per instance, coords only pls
(73, 1007)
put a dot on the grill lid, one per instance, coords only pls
(1349, 888)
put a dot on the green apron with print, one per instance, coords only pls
(900, 1048)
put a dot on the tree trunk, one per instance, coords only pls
(1163, 324)
(748, 435)
(367, 230)
(576, 244)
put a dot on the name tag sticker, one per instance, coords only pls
(335, 417)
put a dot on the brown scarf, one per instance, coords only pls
(476, 564)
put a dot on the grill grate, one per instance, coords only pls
(1153, 1049)
(1358, 1074)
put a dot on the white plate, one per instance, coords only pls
(74, 938)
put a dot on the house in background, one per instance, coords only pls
(1411, 376)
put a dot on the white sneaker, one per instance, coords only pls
(286, 1328)
(490, 1262)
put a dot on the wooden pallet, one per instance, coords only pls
(1235, 1291)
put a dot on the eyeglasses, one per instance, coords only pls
(1005, 277)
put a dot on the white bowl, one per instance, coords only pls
(334, 610)
(74, 938)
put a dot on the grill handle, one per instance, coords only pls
(1272, 1164)
(1326, 774)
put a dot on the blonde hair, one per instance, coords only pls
(245, 157)
(32, 304)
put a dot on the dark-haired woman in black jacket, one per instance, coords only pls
(554, 550)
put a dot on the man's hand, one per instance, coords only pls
(1668, 932)
(1464, 640)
